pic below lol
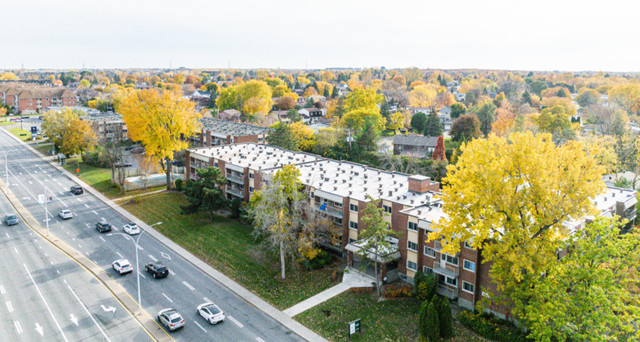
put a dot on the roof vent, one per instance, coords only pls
(335, 188)
(326, 179)
(390, 193)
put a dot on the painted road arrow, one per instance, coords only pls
(39, 329)
(108, 308)
(74, 319)
(165, 255)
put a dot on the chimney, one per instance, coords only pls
(420, 184)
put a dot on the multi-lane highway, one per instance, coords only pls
(184, 289)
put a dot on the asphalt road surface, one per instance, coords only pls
(184, 289)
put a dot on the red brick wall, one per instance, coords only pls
(245, 139)
(399, 223)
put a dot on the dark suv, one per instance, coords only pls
(157, 269)
(103, 226)
(77, 190)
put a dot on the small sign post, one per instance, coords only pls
(354, 327)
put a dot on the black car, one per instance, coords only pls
(103, 226)
(11, 219)
(157, 269)
(77, 190)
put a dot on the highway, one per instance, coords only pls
(184, 289)
(44, 295)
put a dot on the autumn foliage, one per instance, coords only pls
(438, 153)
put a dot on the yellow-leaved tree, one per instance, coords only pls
(515, 198)
(67, 132)
(161, 121)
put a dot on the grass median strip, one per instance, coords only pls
(228, 246)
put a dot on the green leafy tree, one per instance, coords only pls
(555, 120)
(526, 98)
(335, 93)
(385, 111)
(432, 324)
(457, 109)
(206, 193)
(588, 97)
(419, 122)
(374, 239)
(423, 324)
(433, 126)
(445, 318)
(465, 128)
(282, 136)
(538, 86)
(293, 115)
(486, 114)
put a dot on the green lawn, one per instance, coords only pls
(5, 122)
(389, 320)
(98, 178)
(18, 131)
(228, 246)
(44, 148)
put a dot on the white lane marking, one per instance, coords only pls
(188, 286)
(89, 313)
(140, 248)
(65, 281)
(120, 255)
(9, 307)
(86, 205)
(57, 198)
(172, 273)
(87, 253)
(165, 255)
(39, 329)
(40, 247)
(199, 326)
(30, 182)
(74, 239)
(153, 258)
(51, 262)
(18, 327)
(207, 300)
(79, 246)
(86, 224)
(15, 249)
(46, 304)
(79, 199)
(259, 339)
(7, 234)
(101, 238)
(95, 212)
(167, 297)
(235, 321)
(142, 275)
(67, 233)
(73, 319)
(45, 254)
(108, 308)
(2, 290)
(58, 271)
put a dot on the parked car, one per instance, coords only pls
(131, 228)
(11, 219)
(157, 269)
(103, 226)
(122, 266)
(171, 319)
(211, 313)
(77, 190)
(122, 165)
(137, 150)
(65, 214)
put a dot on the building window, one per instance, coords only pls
(353, 225)
(430, 252)
(427, 269)
(468, 287)
(469, 265)
(311, 194)
(412, 246)
(451, 281)
(250, 189)
(413, 226)
(412, 265)
(387, 209)
(467, 245)
(250, 175)
(215, 164)
(450, 259)
(353, 207)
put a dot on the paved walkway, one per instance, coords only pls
(351, 278)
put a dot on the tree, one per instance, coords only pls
(445, 318)
(438, 152)
(335, 93)
(626, 96)
(303, 135)
(228, 98)
(396, 121)
(505, 122)
(160, 120)
(609, 120)
(67, 132)
(485, 113)
(286, 103)
(206, 193)
(457, 109)
(538, 86)
(364, 100)
(374, 238)
(282, 136)
(366, 139)
(385, 111)
(465, 128)
(354, 119)
(591, 293)
(419, 122)
(555, 120)
(526, 98)
(512, 197)
(433, 126)
(588, 97)
(422, 96)
(432, 324)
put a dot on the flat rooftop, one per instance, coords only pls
(223, 128)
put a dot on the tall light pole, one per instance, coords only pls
(135, 243)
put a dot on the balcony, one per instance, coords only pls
(235, 179)
(333, 211)
(235, 191)
(449, 292)
(446, 269)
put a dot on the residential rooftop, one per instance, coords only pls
(223, 128)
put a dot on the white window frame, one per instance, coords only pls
(352, 206)
(424, 251)
(467, 291)
(455, 280)
(411, 249)
(414, 224)
(250, 175)
(445, 257)
(427, 269)
(351, 227)
(385, 207)
(464, 266)
(412, 269)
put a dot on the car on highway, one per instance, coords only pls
(157, 269)
(65, 214)
(171, 319)
(103, 226)
(210, 312)
(122, 266)
(77, 190)
(131, 228)
(11, 219)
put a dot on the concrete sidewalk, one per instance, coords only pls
(250, 297)
(351, 278)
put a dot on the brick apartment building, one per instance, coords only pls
(218, 132)
(341, 189)
(30, 98)
(107, 126)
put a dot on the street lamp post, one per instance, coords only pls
(135, 243)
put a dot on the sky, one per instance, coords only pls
(491, 34)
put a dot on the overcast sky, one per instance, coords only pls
(509, 34)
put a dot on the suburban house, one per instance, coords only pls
(340, 190)
(107, 126)
(230, 115)
(416, 146)
(201, 98)
(311, 112)
(219, 132)
(445, 118)
(416, 110)
(29, 98)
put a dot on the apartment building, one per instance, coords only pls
(30, 98)
(107, 126)
(341, 190)
(219, 132)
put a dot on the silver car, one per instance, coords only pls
(171, 319)
(131, 228)
(65, 214)
(211, 313)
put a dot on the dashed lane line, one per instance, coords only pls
(120, 255)
(9, 307)
(18, 327)
(188, 285)
(167, 297)
(235, 321)
(89, 313)
(199, 326)
(46, 304)
(153, 258)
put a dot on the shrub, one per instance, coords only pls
(431, 324)
(491, 327)
(426, 288)
(397, 291)
(178, 184)
(321, 260)
(445, 318)
(236, 206)
(422, 319)
(359, 290)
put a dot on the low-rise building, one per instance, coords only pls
(30, 98)
(219, 132)
(230, 115)
(416, 146)
(107, 126)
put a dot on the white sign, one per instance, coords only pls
(42, 199)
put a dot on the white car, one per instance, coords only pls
(211, 313)
(65, 214)
(131, 228)
(122, 266)
(171, 319)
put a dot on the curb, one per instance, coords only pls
(251, 298)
